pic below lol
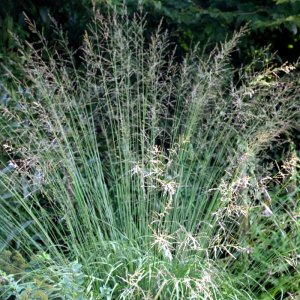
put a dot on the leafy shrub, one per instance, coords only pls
(42, 280)
(148, 172)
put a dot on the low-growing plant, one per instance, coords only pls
(43, 280)
(151, 173)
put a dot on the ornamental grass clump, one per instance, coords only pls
(151, 173)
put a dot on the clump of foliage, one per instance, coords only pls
(43, 280)
(12, 262)
(150, 173)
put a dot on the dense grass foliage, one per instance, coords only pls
(137, 177)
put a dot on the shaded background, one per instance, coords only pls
(271, 22)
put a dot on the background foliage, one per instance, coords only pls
(271, 22)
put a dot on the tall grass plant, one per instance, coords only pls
(148, 177)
